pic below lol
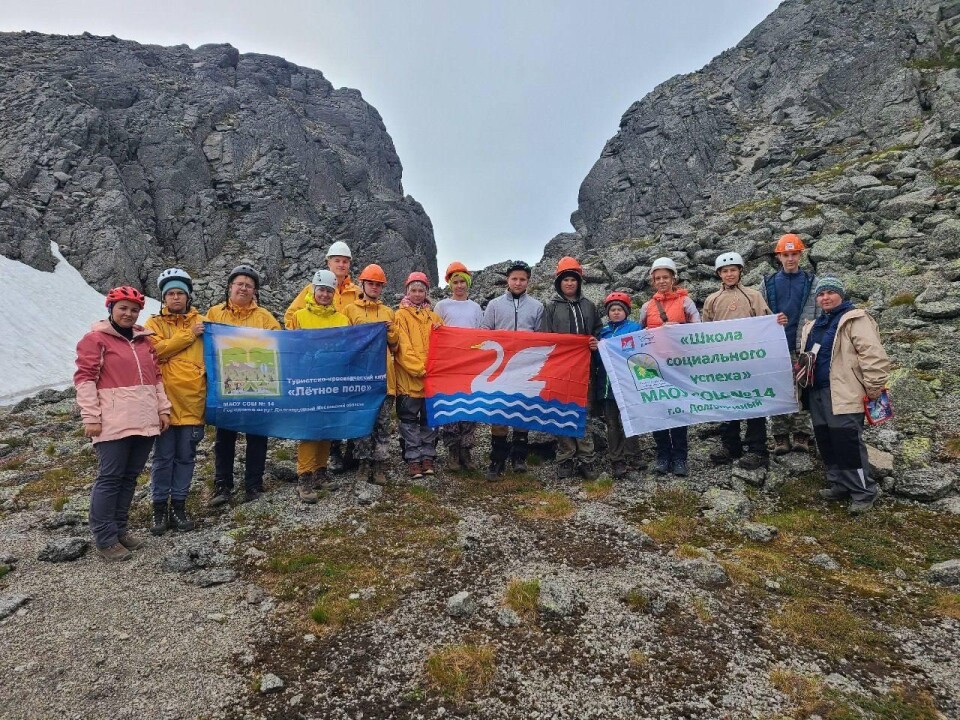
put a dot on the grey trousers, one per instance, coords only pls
(174, 457)
(419, 439)
(840, 443)
(620, 448)
(121, 461)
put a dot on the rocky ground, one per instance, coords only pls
(706, 597)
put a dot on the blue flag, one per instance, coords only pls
(299, 384)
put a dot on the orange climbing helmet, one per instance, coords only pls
(569, 264)
(790, 243)
(417, 277)
(455, 267)
(373, 273)
(618, 297)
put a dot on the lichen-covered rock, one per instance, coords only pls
(721, 504)
(928, 484)
(945, 573)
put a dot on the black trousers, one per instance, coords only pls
(225, 451)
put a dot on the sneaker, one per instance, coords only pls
(679, 468)
(801, 442)
(832, 494)
(130, 541)
(754, 461)
(427, 465)
(859, 507)
(115, 553)
(565, 469)
(781, 444)
(178, 517)
(414, 470)
(160, 522)
(220, 497)
(662, 466)
(379, 476)
(724, 456)
(587, 471)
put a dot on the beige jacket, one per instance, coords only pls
(858, 362)
(734, 303)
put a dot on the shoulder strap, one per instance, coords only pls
(662, 311)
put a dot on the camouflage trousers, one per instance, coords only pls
(376, 446)
(458, 434)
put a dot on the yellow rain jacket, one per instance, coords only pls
(252, 316)
(316, 317)
(346, 294)
(365, 311)
(413, 342)
(180, 357)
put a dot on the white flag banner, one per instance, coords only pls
(686, 374)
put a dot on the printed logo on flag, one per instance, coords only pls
(627, 343)
(533, 381)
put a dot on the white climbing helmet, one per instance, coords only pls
(729, 258)
(341, 249)
(664, 263)
(324, 278)
(174, 274)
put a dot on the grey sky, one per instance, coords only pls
(497, 109)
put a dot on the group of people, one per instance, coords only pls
(143, 388)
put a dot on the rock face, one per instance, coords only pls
(134, 158)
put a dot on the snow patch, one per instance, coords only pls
(44, 316)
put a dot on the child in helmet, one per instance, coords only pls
(124, 407)
(514, 310)
(669, 305)
(459, 310)
(373, 450)
(241, 309)
(317, 313)
(415, 320)
(733, 301)
(571, 312)
(178, 340)
(789, 293)
(624, 452)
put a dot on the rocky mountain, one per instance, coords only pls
(134, 158)
(839, 121)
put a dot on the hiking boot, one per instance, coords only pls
(619, 470)
(427, 465)
(679, 468)
(115, 553)
(250, 496)
(379, 476)
(335, 461)
(496, 469)
(363, 471)
(833, 493)
(662, 465)
(323, 480)
(781, 444)
(414, 470)
(305, 488)
(178, 517)
(453, 460)
(565, 469)
(466, 459)
(724, 455)
(130, 541)
(754, 461)
(859, 507)
(221, 497)
(160, 525)
(801, 442)
(587, 471)
(518, 464)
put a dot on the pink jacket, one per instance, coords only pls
(118, 383)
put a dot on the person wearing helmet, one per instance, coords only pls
(670, 305)
(240, 309)
(373, 451)
(624, 452)
(415, 321)
(789, 293)
(849, 364)
(731, 302)
(178, 340)
(317, 314)
(459, 310)
(514, 310)
(339, 258)
(123, 407)
(571, 313)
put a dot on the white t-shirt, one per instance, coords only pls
(459, 313)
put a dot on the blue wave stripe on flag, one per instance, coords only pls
(517, 411)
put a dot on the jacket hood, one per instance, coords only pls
(672, 295)
(556, 285)
(104, 326)
(312, 306)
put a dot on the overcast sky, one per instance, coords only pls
(498, 109)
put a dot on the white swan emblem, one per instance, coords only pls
(517, 375)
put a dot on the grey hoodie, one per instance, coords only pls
(509, 313)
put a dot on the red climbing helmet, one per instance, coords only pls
(125, 292)
(619, 297)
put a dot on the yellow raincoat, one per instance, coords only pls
(180, 356)
(346, 294)
(413, 342)
(365, 311)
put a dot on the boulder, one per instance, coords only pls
(704, 572)
(558, 598)
(945, 573)
(9, 605)
(721, 504)
(270, 683)
(822, 560)
(462, 605)
(927, 484)
(759, 532)
(63, 549)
